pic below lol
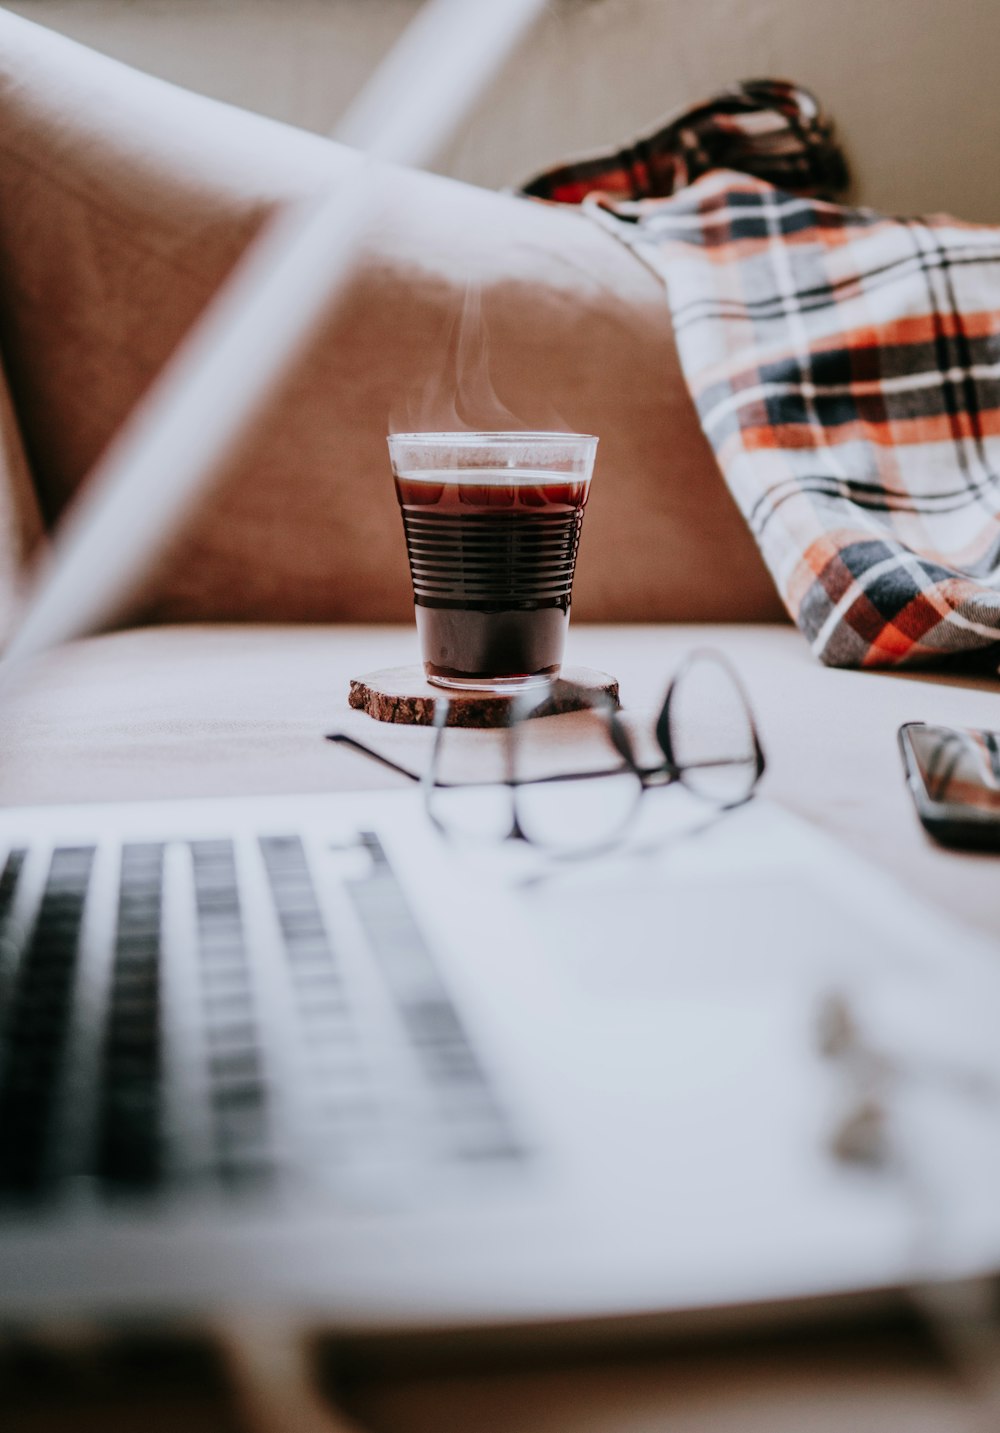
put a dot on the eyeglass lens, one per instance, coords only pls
(575, 791)
(710, 731)
(467, 792)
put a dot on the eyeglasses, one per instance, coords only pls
(575, 784)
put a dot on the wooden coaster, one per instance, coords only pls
(403, 694)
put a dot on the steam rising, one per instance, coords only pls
(459, 394)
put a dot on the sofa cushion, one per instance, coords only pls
(124, 202)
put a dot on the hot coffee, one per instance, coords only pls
(492, 555)
(492, 551)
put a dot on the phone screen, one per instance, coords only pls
(958, 767)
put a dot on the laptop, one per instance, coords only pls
(298, 1051)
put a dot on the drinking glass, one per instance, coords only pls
(492, 524)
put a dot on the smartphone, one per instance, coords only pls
(954, 778)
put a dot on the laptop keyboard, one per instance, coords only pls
(156, 1044)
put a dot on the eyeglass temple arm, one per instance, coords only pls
(342, 739)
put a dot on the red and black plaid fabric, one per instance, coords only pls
(765, 127)
(845, 367)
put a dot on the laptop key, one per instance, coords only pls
(130, 1137)
(237, 1088)
(38, 1024)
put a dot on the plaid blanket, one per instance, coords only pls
(845, 367)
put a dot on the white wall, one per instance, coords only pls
(913, 84)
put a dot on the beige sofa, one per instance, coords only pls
(123, 203)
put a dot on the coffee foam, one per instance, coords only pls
(489, 477)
